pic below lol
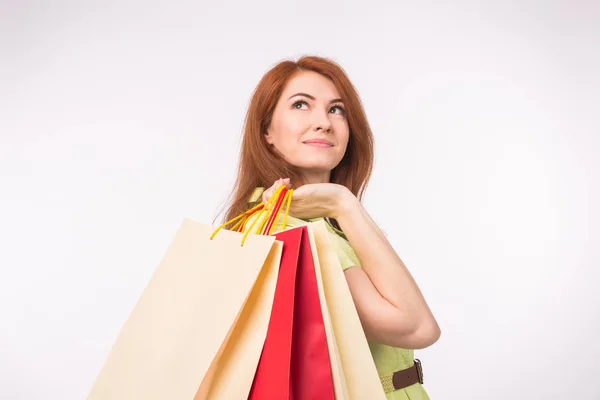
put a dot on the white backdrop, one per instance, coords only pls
(118, 119)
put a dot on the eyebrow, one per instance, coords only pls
(313, 98)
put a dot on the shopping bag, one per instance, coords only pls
(202, 290)
(273, 375)
(301, 370)
(338, 377)
(295, 361)
(244, 341)
(311, 371)
(337, 370)
(355, 359)
(239, 353)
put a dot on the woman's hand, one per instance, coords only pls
(270, 191)
(316, 200)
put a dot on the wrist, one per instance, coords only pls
(346, 204)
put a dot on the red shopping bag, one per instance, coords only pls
(272, 378)
(295, 362)
(311, 368)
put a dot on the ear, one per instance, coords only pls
(269, 137)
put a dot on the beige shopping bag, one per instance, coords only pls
(232, 373)
(187, 312)
(361, 378)
(337, 370)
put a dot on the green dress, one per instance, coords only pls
(387, 359)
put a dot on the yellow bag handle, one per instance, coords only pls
(287, 202)
(241, 217)
(264, 211)
(268, 209)
(263, 214)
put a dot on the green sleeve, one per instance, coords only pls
(345, 252)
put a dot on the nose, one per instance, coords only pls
(322, 122)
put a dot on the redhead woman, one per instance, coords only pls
(306, 129)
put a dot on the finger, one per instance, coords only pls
(268, 193)
(266, 196)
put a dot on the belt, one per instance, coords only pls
(404, 378)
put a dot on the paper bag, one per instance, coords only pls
(238, 356)
(356, 362)
(311, 371)
(273, 375)
(295, 360)
(185, 313)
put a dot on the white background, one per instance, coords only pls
(118, 119)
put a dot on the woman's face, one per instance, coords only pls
(309, 126)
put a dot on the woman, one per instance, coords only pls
(306, 123)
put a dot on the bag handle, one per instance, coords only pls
(267, 214)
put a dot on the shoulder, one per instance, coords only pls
(344, 250)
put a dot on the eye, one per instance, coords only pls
(340, 110)
(298, 105)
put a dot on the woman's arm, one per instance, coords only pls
(389, 302)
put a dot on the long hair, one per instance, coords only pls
(261, 166)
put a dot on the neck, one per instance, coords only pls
(309, 177)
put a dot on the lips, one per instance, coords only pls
(319, 143)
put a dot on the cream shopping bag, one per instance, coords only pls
(340, 385)
(361, 379)
(232, 372)
(188, 311)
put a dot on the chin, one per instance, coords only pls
(323, 166)
(317, 163)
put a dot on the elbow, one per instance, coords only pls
(426, 334)
(415, 336)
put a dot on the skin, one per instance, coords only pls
(390, 305)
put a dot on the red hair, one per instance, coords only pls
(260, 166)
